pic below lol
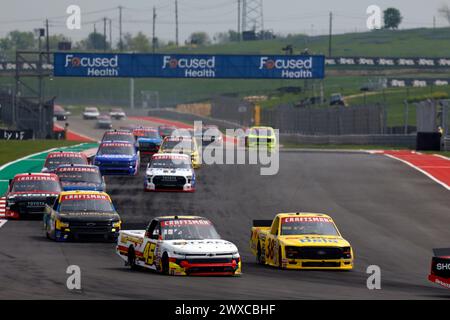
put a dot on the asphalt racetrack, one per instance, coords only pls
(392, 215)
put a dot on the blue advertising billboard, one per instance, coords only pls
(72, 64)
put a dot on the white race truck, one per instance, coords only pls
(179, 245)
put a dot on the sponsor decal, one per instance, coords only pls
(116, 144)
(68, 197)
(37, 178)
(318, 240)
(127, 238)
(184, 222)
(290, 68)
(97, 66)
(74, 169)
(65, 154)
(193, 67)
(305, 219)
(125, 133)
(170, 157)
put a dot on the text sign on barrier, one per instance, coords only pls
(188, 66)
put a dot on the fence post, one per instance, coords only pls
(406, 114)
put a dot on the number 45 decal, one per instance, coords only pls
(149, 251)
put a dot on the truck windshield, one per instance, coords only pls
(89, 205)
(36, 186)
(308, 227)
(55, 162)
(127, 137)
(148, 134)
(116, 149)
(192, 229)
(90, 176)
(169, 163)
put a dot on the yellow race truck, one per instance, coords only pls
(300, 241)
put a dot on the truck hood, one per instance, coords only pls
(314, 240)
(27, 195)
(69, 186)
(115, 157)
(169, 172)
(86, 216)
(201, 247)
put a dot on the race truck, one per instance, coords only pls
(117, 113)
(29, 193)
(55, 159)
(90, 113)
(300, 241)
(118, 136)
(440, 267)
(182, 145)
(80, 177)
(166, 131)
(209, 134)
(82, 215)
(117, 158)
(148, 140)
(260, 137)
(104, 122)
(179, 245)
(170, 172)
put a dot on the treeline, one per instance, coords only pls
(139, 42)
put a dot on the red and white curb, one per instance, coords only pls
(2, 207)
(2, 211)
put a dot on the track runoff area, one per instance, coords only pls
(393, 215)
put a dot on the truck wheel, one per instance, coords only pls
(131, 258)
(165, 264)
(259, 258)
(280, 264)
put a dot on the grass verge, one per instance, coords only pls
(13, 149)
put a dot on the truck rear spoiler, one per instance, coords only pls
(262, 223)
(441, 252)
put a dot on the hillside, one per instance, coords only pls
(408, 43)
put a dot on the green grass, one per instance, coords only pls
(394, 100)
(13, 149)
(385, 43)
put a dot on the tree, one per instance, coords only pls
(138, 43)
(18, 40)
(94, 41)
(199, 38)
(392, 18)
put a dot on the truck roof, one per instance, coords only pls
(303, 214)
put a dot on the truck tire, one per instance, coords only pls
(259, 258)
(165, 264)
(131, 258)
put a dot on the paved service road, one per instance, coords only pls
(392, 215)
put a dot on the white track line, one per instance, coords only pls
(3, 222)
(418, 169)
(35, 154)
